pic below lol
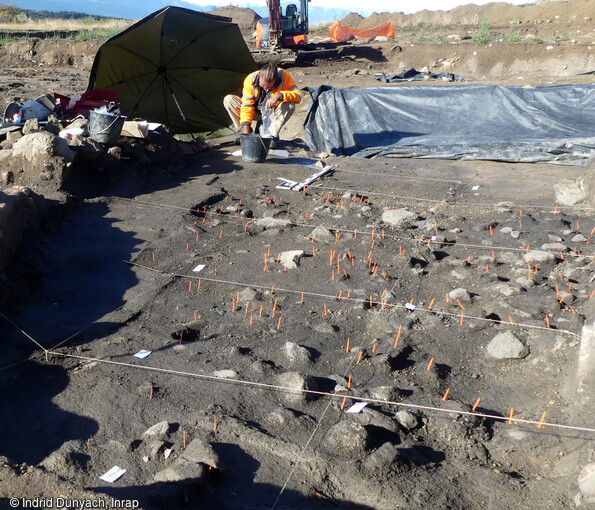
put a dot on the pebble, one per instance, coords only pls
(579, 238)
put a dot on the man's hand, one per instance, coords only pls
(274, 99)
(246, 130)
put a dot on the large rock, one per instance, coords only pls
(160, 429)
(407, 419)
(570, 192)
(535, 257)
(506, 346)
(296, 383)
(348, 437)
(291, 259)
(398, 217)
(382, 458)
(322, 235)
(296, 354)
(461, 295)
(267, 223)
(42, 143)
(190, 466)
(586, 481)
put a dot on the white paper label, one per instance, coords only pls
(113, 474)
(357, 408)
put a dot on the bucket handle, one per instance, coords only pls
(263, 144)
(105, 130)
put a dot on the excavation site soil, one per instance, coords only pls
(446, 297)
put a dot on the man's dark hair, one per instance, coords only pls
(268, 73)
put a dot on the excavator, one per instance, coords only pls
(287, 29)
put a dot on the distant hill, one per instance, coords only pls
(133, 9)
(37, 15)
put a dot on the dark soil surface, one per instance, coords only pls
(254, 362)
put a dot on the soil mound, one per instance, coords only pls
(245, 17)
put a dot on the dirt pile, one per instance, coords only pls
(245, 17)
(574, 18)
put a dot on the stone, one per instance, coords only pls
(535, 257)
(296, 354)
(586, 481)
(226, 374)
(31, 126)
(188, 475)
(296, 383)
(375, 418)
(506, 346)
(570, 192)
(558, 247)
(407, 419)
(249, 294)
(199, 451)
(579, 238)
(42, 143)
(382, 458)
(565, 297)
(290, 259)
(158, 430)
(268, 223)
(189, 467)
(281, 416)
(348, 436)
(398, 217)
(325, 328)
(385, 393)
(322, 235)
(461, 294)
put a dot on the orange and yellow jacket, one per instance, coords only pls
(254, 96)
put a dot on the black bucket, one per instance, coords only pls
(254, 147)
(105, 127)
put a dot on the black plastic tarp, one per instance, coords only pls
(415, 75)
(554, 124)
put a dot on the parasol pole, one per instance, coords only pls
(182, 114)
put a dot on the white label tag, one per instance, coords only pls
(113, 474)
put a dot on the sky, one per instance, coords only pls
(406, 6)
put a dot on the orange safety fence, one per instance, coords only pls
(339, 32)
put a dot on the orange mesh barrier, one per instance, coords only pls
(338, 32)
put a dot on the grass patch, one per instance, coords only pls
(483, 32)
(514, 35)
(95, 28)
